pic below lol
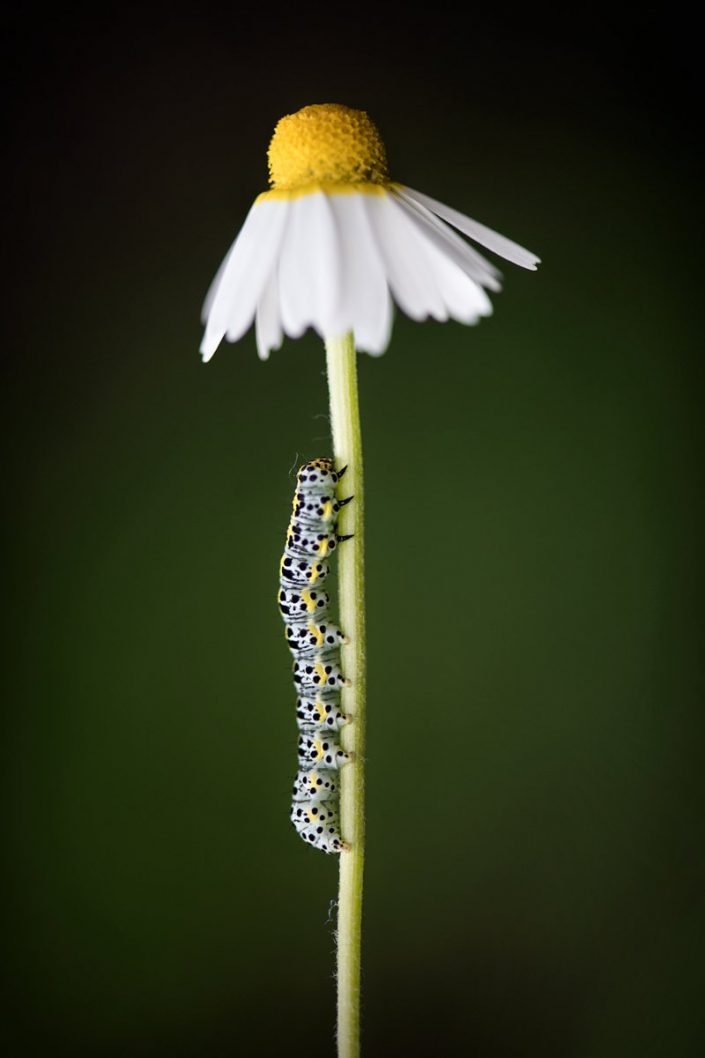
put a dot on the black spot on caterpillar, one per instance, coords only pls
(314, 641)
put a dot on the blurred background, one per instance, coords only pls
(535, 874)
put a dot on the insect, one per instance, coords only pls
(314, 641)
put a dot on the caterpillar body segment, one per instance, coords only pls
(315, 641)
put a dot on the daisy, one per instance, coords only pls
(334, 241)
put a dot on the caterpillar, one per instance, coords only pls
(314, 642)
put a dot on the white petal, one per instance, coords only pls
(443, 288)
(511, 251)
(243, 275)
(463, 297)
(409, 272)
(422, 271)
(464, 255)
(309, 268)
(212, 289)
(268, 329)
(365, 303)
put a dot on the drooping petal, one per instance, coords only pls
(499, 244)
(365, 303)
(464, 299)
(406, 263)
(442, 288)
(268, 329)
(447, 240)
(213, 288)
(231, 305)
(309, 268)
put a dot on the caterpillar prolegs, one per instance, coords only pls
(315, 643)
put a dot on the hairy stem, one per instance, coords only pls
(347, 449)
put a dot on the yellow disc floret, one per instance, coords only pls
(326, 144)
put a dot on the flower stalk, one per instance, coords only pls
(347, 450)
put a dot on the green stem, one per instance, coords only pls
(347, 449)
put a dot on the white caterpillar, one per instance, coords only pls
(315, 643)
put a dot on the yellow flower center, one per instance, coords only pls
(326, 144)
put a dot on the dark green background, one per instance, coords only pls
(535, 871)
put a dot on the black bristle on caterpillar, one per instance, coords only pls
(314, 642)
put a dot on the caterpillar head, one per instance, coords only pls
(318, 475)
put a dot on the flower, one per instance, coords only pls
(334, 240)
